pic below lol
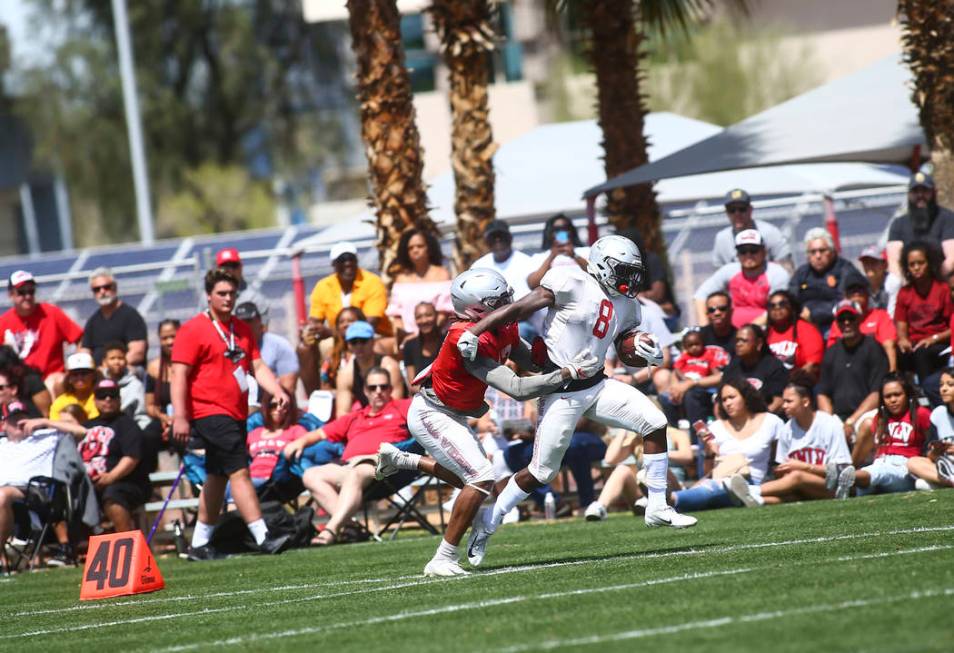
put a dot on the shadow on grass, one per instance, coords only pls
(580, 559)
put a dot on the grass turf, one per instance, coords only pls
(872, 574)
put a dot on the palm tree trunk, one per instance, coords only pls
(392, 142)
(613, 50)
(466, 39)
(928, 38)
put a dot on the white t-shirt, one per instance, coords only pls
(515, 270)
(943, 423)
(824, 442)
(756, 448)
(32, 456)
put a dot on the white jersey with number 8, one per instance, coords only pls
(583, 316)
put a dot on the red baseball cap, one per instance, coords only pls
(847, 306)
(227, 255)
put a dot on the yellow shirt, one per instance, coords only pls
(368, 293)
(66, 399)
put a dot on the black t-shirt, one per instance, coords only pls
(768, 375)
(821, 291)
(850, 375)
(124, 325)
(941, 229)
(727, 342)
(30, 385)
(107, 440)
(414, 356)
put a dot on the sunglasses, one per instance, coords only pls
(274, 404)
(737, 208)
(779, 305)
(378, 387)
(846, 317)
(105, 286)
(26, 292)
(103, 396)
(717, 309)
(748, 250)
(359, 341)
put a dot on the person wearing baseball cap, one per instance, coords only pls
(350, 381)
(513, 264)
(872, 321)
(738, 208)
(277, 353)
(874, 261)
(230, 260)
(748, 281)
(37, 331)
(348, 285)
(81, 377)
(925, 221)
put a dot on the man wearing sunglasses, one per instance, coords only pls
(749, 281)
(738, 208)
(37, 331)
(113, 321)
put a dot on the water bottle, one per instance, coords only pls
(549, 506)
(181, 546)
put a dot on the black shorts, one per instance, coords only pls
(127, 494)
(223, 439)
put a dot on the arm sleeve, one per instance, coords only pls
(376, 299)
(317, 308)
(717, 281)
(87, 340)
(781, 249)
(337, 429)
(70, 329)
(781, 449)
(778, 277)
(185, 349)
(886, 330)
(132, 439)
(894, 230)
(503, 379)
(901, 307)
(287, 362)
(137, 327)
(810, 347)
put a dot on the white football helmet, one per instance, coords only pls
(477, 292)
(616, 263)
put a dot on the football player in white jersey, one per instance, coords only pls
(587, 311)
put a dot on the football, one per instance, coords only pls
(626, 349)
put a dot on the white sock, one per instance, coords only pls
(657, 467)
(446, 551)
(259, 530)
(509, 499)
(407, 460)
(756, 492)
(201, 534)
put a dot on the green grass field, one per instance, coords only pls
(869, 574)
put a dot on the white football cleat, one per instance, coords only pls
(669, 517)
(738, 487)
(387, 464)
(595, 512)
(479, 535)
(444, 568)
(846, 479)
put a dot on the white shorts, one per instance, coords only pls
(449, 441)
(610, 402)
(888, 474)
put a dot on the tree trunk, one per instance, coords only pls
(392, 142)
(928, 39)
(613, 51)
(466, 39)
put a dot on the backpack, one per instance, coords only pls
(231, 535)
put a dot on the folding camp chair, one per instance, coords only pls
(46, 502)
(405, 508)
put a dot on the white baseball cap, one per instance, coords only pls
(748, 237)
(20, 277)
(340, 249)
(80, 361)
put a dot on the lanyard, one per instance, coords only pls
(230, 341)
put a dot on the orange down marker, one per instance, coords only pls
(119, 564)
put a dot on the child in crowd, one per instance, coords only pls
(698, 361)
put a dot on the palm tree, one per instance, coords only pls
(463, 27)
(388, 128)
(928, 39)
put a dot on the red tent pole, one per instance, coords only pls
(831, 221)
(591, 231)
(298, 284)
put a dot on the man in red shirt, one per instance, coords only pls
(37, 331)
(212, 357)
(875, 322)
(339, 488)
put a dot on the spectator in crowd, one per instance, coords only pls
(852, 370)
(748, 281)
(740, 440)
(937, 467)
(561, 246)
(320, 359)
(648, 379)
(697, 370)
(874, 322)
(277, 353)
(900, 430)
(113, 321)
(738, 208)
(81, 377)
(875, 264)
(211, 358)
(349, 393)
(925, 221)
(423, 278)
(352, 286)
(820, 283)
(37, 331)
(719, 332)
(795, 342)
(923, 316)
(339, 488)
(656, 281)
(158, 376)
(266, 443)
(513, 264)
(811, 443)
(23, 383)
(132, 400)
(420, 350)
(754, 362)
(229, 260)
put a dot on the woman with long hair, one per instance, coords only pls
(265, 443)
(423, 278)
(561, 246)
(754, 362)
(937, 467)
(30, 388)
(158, 393)
(795, 342)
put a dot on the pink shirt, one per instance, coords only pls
(406, 296)
(264, 452)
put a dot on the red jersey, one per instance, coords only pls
(901, 438)
(264, 452)
(798, 345)
(711, 361)
(214, 380)
(925, 315)
(452, 383)
(876, 323)
(363, 433)
(39, 338)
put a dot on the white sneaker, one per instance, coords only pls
(479, 535)
(924, 486)
(738, 487)
(669, 517)
(387, 461)
(831, 476)
(639, 507)
(846, 479)
(595, 512)
(445, 568)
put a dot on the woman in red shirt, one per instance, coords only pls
(923, 312)
(795, 342)
(265, 444)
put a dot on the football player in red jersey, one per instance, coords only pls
(452, 391)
